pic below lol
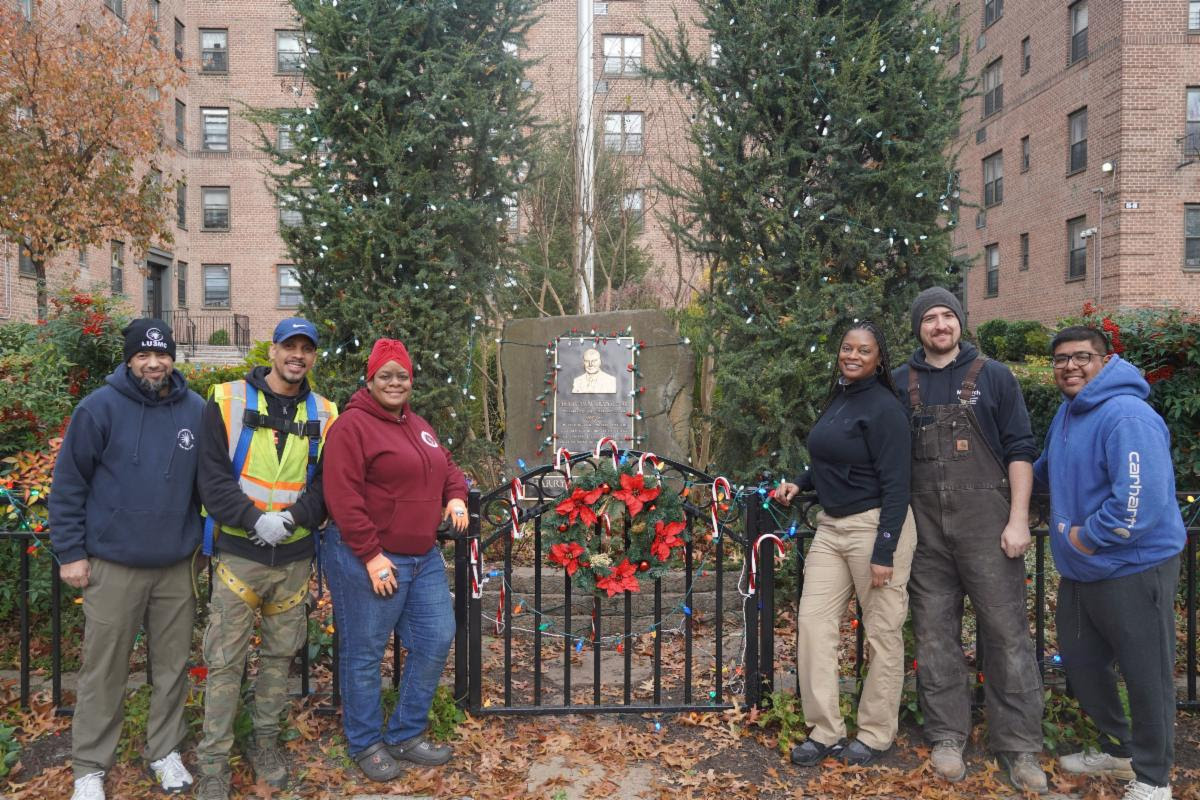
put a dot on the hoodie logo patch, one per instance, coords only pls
(428, 439)
(186, 439)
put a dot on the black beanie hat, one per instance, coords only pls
(931, 298)
(149, 334)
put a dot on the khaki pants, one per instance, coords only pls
(115, 603)
(840, 561)
(226, 642)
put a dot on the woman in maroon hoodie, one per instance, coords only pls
(388, 483)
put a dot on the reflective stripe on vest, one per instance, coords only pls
(272, 483)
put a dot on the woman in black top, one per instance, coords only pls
(860, 451)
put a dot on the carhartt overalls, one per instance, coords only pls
(960, 499)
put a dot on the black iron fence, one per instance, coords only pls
(203, 329)
(551, 630)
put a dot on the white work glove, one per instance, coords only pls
(272, 528)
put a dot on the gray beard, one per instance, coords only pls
(153, 387)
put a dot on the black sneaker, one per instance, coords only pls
(420, 750)
(812, 752)
(860, 755)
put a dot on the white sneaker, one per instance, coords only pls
(1136, 790)
(1097, 762)
(89, 787)
(171, 773)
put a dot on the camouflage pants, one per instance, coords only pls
(230, 624)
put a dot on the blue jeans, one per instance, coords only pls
(420, 611)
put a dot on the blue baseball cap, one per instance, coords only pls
(294, 326)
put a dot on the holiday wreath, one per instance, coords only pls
(575, 539)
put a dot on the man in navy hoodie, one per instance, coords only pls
(1116, 534)
(124, 522)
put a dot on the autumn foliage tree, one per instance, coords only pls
(81, 108)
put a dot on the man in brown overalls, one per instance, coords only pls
(971, 480)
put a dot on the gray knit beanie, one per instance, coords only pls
(931, 298)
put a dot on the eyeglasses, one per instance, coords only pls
(1080, 358)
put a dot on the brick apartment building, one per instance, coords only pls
(1065, 88)
(1087, 121)
(226, 268)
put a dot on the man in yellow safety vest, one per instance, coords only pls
(260, 482)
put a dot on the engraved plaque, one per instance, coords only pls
(594, 392)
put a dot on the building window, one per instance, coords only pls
(116, 273)
(1191, 143)
(1194, 15)
(1024, 252)
(216, 208)
(622, 55)
(215, 126)
(991, 259)
(216, 285)
(1079, 29)
(180, 124)
(633, 207)
(512, 214)
(623, 132)
(992, 11)
(155, 14)
(993, 179)
(1077, 126)
(1191, 237)
(27, 9)
(1025, 156)
(181, 205)
(285, 139)
(993, 87)
(1026, 55)
(289, 51)
(25, 262)
(289, 286)
(214, 50)
(178, 40)
(115, 6)
(83, 258)
(1076, 248)
(956, 40)
(290, 214)
(181, 283)
(714, 53)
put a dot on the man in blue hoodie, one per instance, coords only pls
(124, 522)
(1116, 534)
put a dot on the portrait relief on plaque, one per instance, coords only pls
(594, 392)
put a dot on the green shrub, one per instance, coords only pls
(1042, 397)
(991, 335)
(219, 338)
(202, 379)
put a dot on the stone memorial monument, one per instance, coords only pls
(570, 381)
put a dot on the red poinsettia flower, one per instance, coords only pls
(199, 673)
(579, 506)
(622, 578)
(567, 554)
(634, 493)
(666, 537)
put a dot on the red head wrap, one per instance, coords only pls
(386, 350)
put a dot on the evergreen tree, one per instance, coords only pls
(821, 194)
(399, 168)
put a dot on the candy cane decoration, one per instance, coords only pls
(516, 492)
(653, 459)
(607, 527)
(476, 571)
(717, 483)
(613, 449)
(500, 610)
(561, 456)
(754, 556)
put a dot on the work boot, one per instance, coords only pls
(420, 750)
(268, 762)
(1097, 762)
(947, 761)
(213, 786)
(1024, 772)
